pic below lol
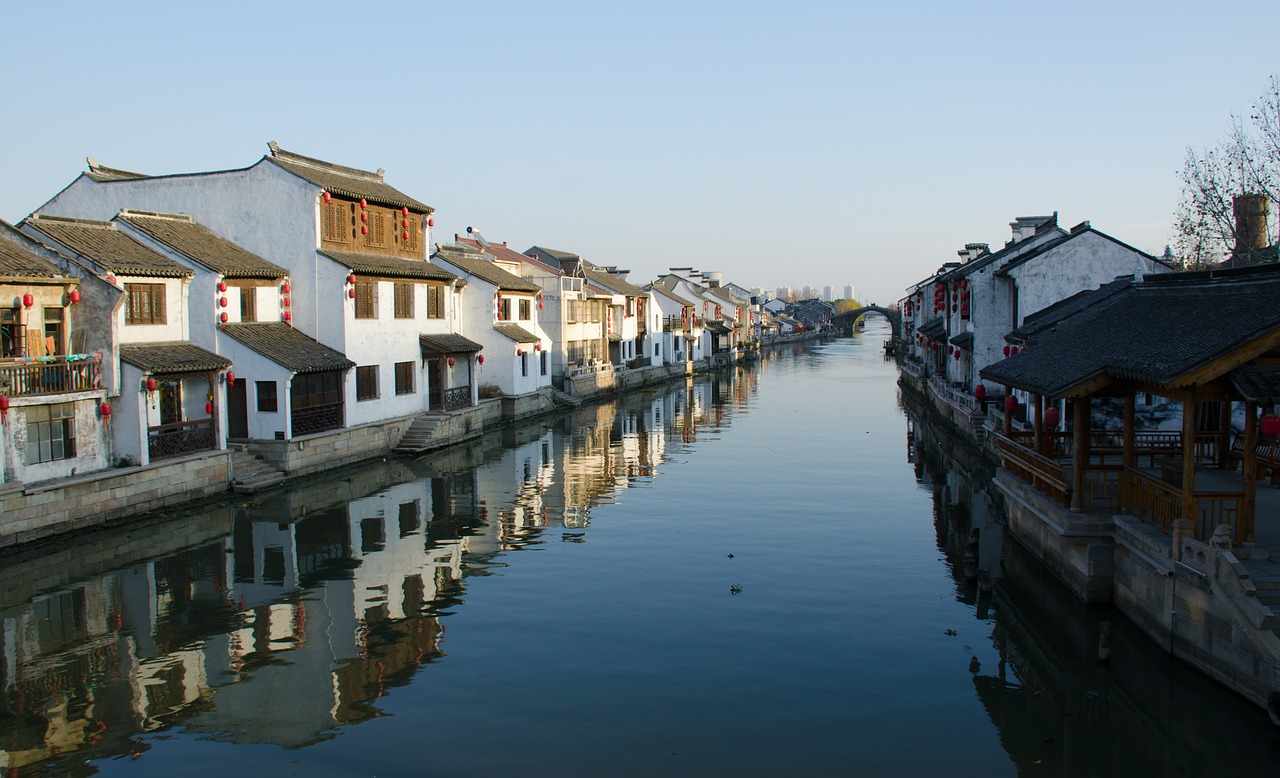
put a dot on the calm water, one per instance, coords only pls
(758, 573)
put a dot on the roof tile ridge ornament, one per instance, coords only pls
(45, 217)
(294, 158)
(97, 168)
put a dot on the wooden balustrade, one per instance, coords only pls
(183, 437)
(1036, 469)
(59, 376)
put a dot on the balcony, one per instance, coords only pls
(50, 375)
(183, 437)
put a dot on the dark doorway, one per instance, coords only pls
(238, 410)
(435, 385)
(170, 401)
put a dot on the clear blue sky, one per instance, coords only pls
(797, 143)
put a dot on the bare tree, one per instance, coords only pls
(1247, 161)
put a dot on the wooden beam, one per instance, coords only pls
(1224, 433)
(1039, 423)
(1231, 360)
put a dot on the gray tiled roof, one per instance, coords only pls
(195, 241)
(345, 181)
(1156, 332)
(448, 343)
(515, 332)
(553, 253)
(104, 244)
(103, 173)
(611, 281)
(18, 256)
(1259, 383)
(388, 267)
(174, 356)
(487, 271)
(287, 347)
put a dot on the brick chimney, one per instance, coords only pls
(1251, 212)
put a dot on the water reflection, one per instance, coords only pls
(1057, 708)
(279, 620)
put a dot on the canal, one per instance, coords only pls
(772, 570)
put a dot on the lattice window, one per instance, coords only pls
(435, 302)
(377, 229)
(336, 221)
(404, 377)
(367, 382)
(404, 301)
(267, 398)
(504, 310)
(526, 310)
(411, 228)
(366, 300)
(145, 304)
(50, 433)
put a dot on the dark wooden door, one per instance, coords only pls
(238, 410)
(435, 385)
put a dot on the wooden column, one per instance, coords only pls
(1130, 450)
(1249, 472)
(1039, 423)
(1080, 417)
(1224, 434)
(1008, 417)
(1189, 461)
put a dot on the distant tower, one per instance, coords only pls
(827, 293)
(848, 292)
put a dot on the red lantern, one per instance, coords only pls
(364, 229)
(285, 287)
(480, 359)
(1006, 349)
(431, 222)
(1013, 351)
(404, 210)
(326, 197)
(224, 317)
(539, 296)
(288, 315)
(405, 235)
(1011, 404)
(222, 286)
(151, 384)
(980, 392)
(539, 306)
(450, 361)
(351, 293)
(351, 279)
(364, 217)
(363, 204)
(286, 302)
(231, 377)
(75, 295)
(105, 410)
(4, 407)
(1051, 417)
(222, 301)
(537, 346)
(519, 352)
(28, 299)
(1269, 426)
(208, 407)
(404, 223)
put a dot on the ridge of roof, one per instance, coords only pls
(484, 269)
(287, 347)
(103, 173)
(198, 243)
(20, 255)
(105, 244)
(383, 266)
(345, 181)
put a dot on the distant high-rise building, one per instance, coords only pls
(848, 292)
(809, 292)
(784, 293)
(826, 293)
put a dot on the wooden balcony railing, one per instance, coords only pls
(458, 397)
(59, 375)
(1038, 470)
(183, 437)
(315, 419)
(1159, 503)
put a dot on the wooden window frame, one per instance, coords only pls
(404, 377)
(366, 383)
(154, 295)
(435, 301)
(376, 237)
(267, 401)
(404, 300)
(366, 300)
(59, 418)
(526, 310)
(336, 222)
(248, 312)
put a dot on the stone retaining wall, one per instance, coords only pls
(32, 513)
(332, 449)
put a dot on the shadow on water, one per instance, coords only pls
(1059, 709)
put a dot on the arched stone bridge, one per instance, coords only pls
(849, 317)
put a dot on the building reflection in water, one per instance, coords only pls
(1058, 710)
(329, 594)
